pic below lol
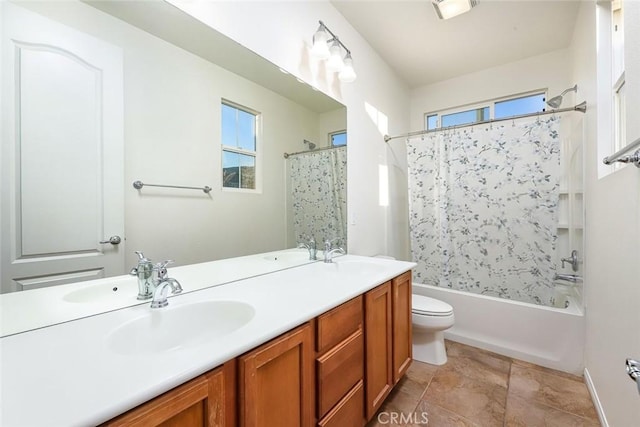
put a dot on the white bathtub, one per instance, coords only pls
(547, 336)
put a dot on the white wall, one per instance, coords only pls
(612, 227)
(330, 122)
(376, 102)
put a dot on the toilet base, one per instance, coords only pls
(429, 347)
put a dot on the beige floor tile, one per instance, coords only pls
(436, 416)
(478, 364)
(567, 394)
(479, 401)
(525, 413)
(421, 372)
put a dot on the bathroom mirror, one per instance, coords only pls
(176, 75)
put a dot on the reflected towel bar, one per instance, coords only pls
(139, 184)
(619, 156)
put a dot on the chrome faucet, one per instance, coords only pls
(144, 272)
(311, 247)
(328, 252)
(572, 260)
(162, 283)
(573, 278)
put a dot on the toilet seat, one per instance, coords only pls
(426, 306)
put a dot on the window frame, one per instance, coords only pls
(338, 132)
(257, 154)
(477, 106)
(618, 96)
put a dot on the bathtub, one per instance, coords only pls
(547, 336)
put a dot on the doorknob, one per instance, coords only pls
(633, 369)
(114, 240)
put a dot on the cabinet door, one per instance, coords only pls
(402, 344)
(203, 401)
(276, 382)
(378, 345)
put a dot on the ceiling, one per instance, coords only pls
(423, 49)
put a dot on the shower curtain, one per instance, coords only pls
(484, 208)
(318, 195)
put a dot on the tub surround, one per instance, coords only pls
(58, 304)
(77, 379)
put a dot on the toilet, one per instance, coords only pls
(430, 318)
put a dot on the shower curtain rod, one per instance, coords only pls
(582, 107)
(286, 155)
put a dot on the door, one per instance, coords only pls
(276, 382)
(62, 154)
(378, 347)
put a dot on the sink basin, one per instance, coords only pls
(353, 267)
(173, 328)
(104, 293)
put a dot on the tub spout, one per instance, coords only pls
(573, 278)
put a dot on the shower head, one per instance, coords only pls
(557, 100)
(310, 144)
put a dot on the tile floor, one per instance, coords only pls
(483, 389)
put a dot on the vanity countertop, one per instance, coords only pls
(67, 375)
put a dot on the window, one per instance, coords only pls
(518, 106)
(617, 75)
(496, 109)
(239, 146)
(338, 139)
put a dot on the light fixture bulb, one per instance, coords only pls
(320, 48)
(449, 8)
(335, 62)
(348, 74)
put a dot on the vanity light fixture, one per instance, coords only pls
(330, 49)
(449, 8)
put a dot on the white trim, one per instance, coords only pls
(594, 397)
(489, 103)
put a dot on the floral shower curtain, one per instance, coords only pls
(484, 209)
(318, 195)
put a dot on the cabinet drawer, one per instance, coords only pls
(349, 412)
(338, 371)
(337, 324)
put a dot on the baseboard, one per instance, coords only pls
(594, 397)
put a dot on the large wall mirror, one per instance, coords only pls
(97, 95)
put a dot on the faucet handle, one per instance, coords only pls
(161, 267)
(141, 257)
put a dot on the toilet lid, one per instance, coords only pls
(430, 306)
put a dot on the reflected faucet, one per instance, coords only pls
(144, 272)
(328, 252)
(311, 247)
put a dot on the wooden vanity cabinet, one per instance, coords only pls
(276, 382)
(340, 366)
(333, 371)
(401, 311)
(205, 401)
(378, 347)
(388, 339)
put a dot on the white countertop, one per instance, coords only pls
(66, 375)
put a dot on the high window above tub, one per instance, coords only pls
(516, 105)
